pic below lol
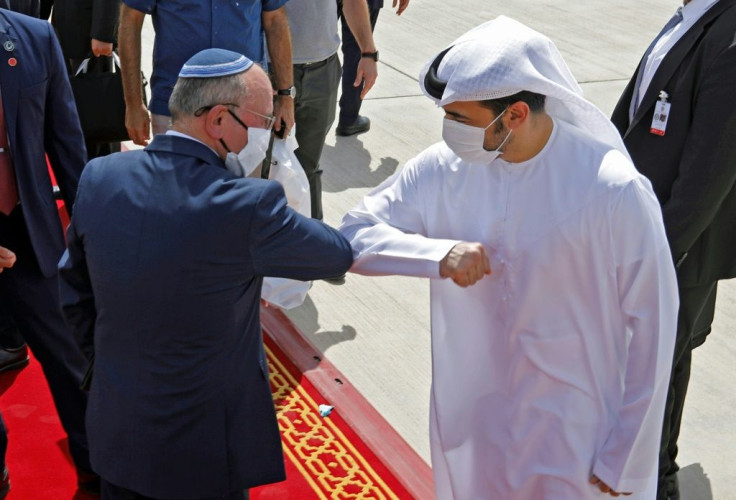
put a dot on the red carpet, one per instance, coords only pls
(324, 458)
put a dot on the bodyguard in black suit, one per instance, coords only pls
(40, 118)
(691, 161)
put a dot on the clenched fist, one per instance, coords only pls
(465, 263)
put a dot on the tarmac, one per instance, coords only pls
(376, 330)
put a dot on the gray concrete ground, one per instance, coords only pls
(376, 330)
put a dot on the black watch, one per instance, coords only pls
(291, 92)
(370, 55)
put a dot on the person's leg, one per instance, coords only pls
(4, 477)
(314, 111)
(34, 302)
(10, 336)
(697, 308)
(350, 100)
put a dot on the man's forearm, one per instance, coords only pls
(129, 46)
(278, 37)
(359, 21)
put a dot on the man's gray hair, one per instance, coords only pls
(193, 94)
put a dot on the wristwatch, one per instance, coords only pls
(291, 92)
(370, 55)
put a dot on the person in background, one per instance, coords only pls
(183, 28)
(317, 76)
(552, 314)
(39, 120)
(87, 28)
(677, 117)
(350, 121)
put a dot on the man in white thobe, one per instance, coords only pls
(553, 292)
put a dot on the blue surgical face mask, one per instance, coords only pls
(467, 141)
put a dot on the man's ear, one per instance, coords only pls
(214, 123)
(517, 114)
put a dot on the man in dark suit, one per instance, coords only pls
(39, 119)
(167, 254)
(678, 120)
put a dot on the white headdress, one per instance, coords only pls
(503, 57)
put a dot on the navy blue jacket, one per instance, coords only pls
(41, 118)
(167, 253)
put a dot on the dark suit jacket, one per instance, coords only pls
(174, 248)
(41, 119)
(693, 166)
(78, 21)
(27, 7)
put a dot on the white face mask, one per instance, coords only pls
(252, 155)
(467, 141)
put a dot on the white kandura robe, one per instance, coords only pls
(555, 366)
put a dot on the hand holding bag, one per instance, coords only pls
(100, 101)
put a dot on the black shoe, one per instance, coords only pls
(335, 280)
(13, 358)
(361, 124)
(4, 483)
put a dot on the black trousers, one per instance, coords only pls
(697, 308)
(32, 300)
(350, 100)
(112, 492)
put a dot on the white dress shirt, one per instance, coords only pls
(691, 12)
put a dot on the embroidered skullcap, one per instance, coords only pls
(502, 57)
(211, 63)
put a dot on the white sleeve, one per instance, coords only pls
(387, 230)
(649, 301)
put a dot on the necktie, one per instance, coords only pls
(674, 21)
(8, 187)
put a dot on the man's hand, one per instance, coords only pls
(605, 488)
(403, 4)
(138, 123)
(7, 258)
(465, 263)
(368, 72)
(137, 119)
(101, 48)
(283, 109)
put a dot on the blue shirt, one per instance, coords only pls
(184, 27)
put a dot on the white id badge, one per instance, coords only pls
(661, 114)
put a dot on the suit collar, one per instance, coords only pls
(674, 59)
(177, 144)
